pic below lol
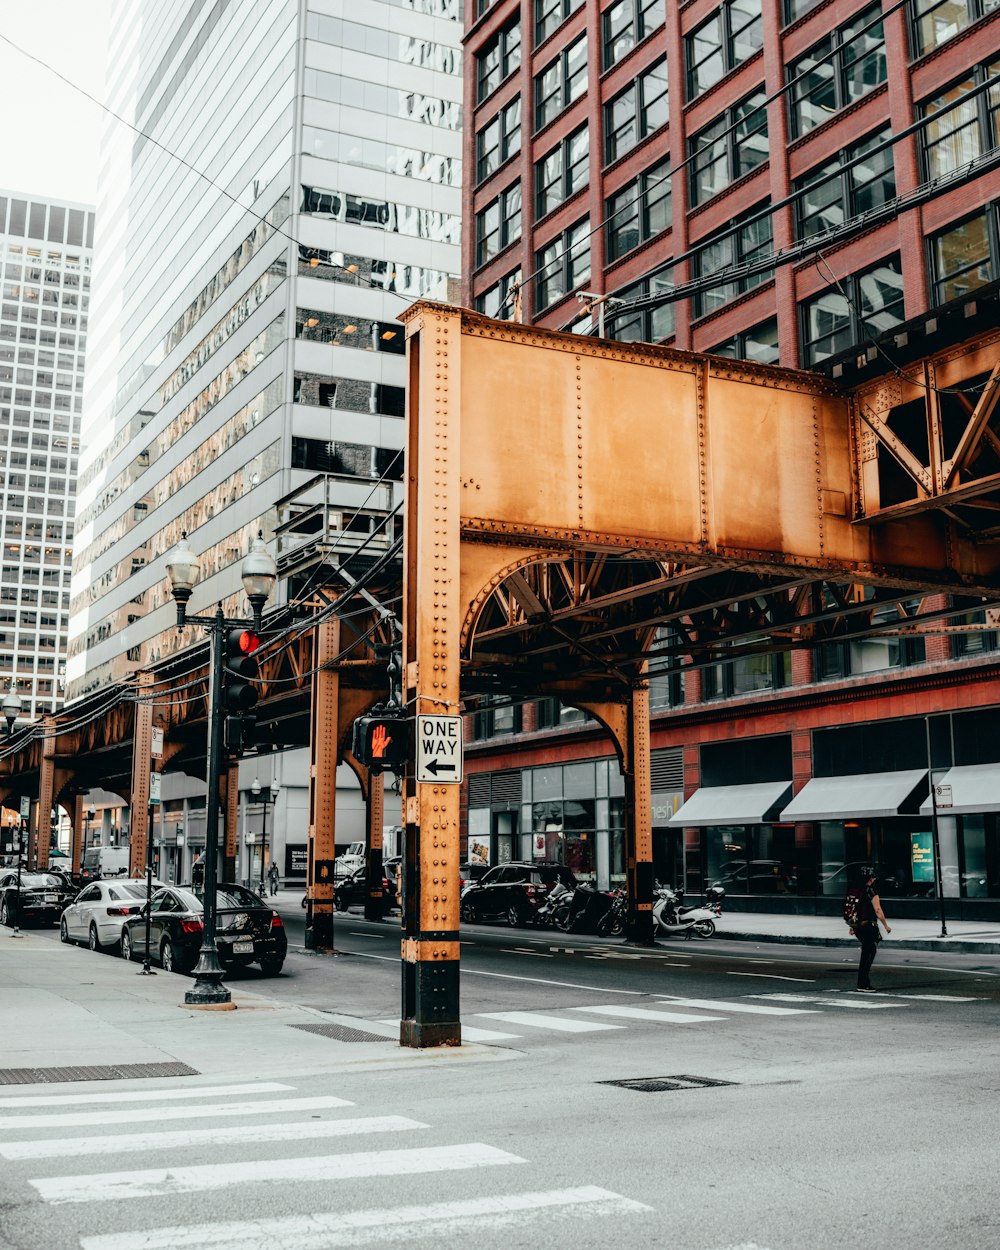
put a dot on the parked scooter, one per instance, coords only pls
(670, 917)
(555, 908)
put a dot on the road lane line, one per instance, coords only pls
(167, 1182)
(197, 1111)
(510, 976)
(145, 1095)
(435, 1223)
(538, 1020)
(773, 976)
(750, 1009)
(121, 1143)
(644, 1013)
(829, 1002)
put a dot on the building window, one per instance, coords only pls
(499, 224)
(741, 246)
(977, 641)
(626, 23)
(498, 140)
(550, 714)
(726, 40)
(499, 717)
(859, 179)
(498, 301)
(853, 657)
(550, 15)
(937, 21)
(838, 70)
(560, 83)
(870, 303)
(967, 129)
(733, 145)
(637, 111)
(500, 57)
(562, 172)
(759, 344)
(639, 210)
(650, 323)
(563, 264)
(962, 258)
(747, 675)
(794, 9)
(665, 689)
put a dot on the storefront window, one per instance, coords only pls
(756, 859)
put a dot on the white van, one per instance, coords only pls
(101, 862)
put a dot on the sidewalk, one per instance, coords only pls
(62, 1006)
(965, 937)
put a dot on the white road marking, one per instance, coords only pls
(537, 1020)
(830, 1002)
(750, 1009)
(166, 1182)
(197, 1111)
(523, 950)
(644, 1013)
(930, 998)
(773, 976)
(510, 976)
(121, 1143)
(145, 1095)
(470, 1034)
(435, 1223)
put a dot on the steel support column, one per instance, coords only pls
(76, 846)
(142, 764)
(432, 623)
(638, 819)
(46, 795)
(324, 747)
(375, 899)
(231, 821)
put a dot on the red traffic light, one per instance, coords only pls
(248, 641)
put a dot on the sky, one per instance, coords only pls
(50, 136)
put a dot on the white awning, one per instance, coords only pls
(974, 788)
(860, 794)
(732, 805)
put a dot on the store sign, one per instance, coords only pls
(922, 856)
(479, 852)
(296, 861)
(538, 848)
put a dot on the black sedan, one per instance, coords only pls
(512, 892)
(247, 930)
(352, 891)
(41, 899)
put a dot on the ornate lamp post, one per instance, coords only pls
(268, 794)
(11, 707)
(259, 573)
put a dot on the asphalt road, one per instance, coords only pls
(806, 1117)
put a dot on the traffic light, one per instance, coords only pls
(240, 670)
(240, 677)
(382, 741)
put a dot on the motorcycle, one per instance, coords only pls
(555, 908)
(670, 917)
(612, 923)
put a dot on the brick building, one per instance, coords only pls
(812, 182)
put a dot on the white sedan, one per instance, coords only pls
(98, 912)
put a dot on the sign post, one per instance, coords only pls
(439, 750)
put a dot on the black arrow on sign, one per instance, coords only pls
(434, 767)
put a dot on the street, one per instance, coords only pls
(801, 1111)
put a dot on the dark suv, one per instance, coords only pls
(512, 892)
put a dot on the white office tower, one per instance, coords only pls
(45, 253)
(292, 183)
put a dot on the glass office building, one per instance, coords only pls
(45, 251)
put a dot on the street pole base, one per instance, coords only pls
(422, 1036)
(15, 934)
(227, 1006)
(146, 972)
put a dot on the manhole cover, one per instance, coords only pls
(659, 1084)
(105, 1072)
(342, 1033)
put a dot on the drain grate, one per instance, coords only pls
(342, 1033)
(105, 1072)
(659, 1084)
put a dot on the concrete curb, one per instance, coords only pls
(955, 946)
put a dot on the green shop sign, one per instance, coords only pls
(922, 856)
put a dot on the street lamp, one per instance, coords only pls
(268, 795)
(259, 573)
(11, 707)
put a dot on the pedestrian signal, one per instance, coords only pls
(382, 742)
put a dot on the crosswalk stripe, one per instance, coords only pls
(146, 1095)
(334, 1230)
(933, 998)
(471, 1034)
(829, 1002)
(643, 1013)
(537, 1020)
(711, 1004)
(196, 1111)
(164, 1182)
(124, 1143)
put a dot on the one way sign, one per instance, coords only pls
(439, 749)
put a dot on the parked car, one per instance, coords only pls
(99, 911)
(41, 898)
(104, 861)
(513, 891)
(248, 930)
(352, 891)
(468, 872)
